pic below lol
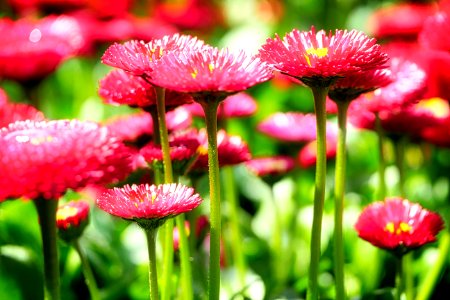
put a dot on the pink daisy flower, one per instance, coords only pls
(270, 166)
(209, 70)
(120, 87)
(138, 57)
(149, 205)
(307, 156)
(434, 34)
(398, 225)
(318, 58)
(45, 159)
(12, 112)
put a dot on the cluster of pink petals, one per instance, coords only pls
(45, 159)
(32, 50)
(119, 87)
(149, 202)
(292, 127)
(140, 125)
(182, 148)
(231, 149)
(72, 214)
(210, 69)
(138, 57)
(312, 56)
(235, 106)
(398, 225)
(271, 165)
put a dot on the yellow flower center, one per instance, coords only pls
(437, 106)
(202, 150)
(211, 68)
(66, 212)
(402, 227)
(194, 73)
(319, 52)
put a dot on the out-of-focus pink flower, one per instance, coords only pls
(434, 34)
(307, 156)
(12, 112)
(149, 205)
(398, 225)
(438, 134)
(318, 58)
(45, 159)
(235, 106)
(271, 165)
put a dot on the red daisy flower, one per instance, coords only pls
(138, 57)
(319, 58)
(292, 127)
(209, 70)
(398, 225)
(434, 34)
(12, 112)
(71, 219)
(307, 156)
(120, 87)
(231, 150)
(403, 20)
(45, 159)
(149, 205)
(235, 106)
(270, 166)
(33, 49)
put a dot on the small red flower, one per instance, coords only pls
(120, 87)
(138, 57)
(235, 106)
(292, 127)
(72, 219)
(149, 205)
(270, 166)
(209, 70)
(398, 225)
(12, 112)
(45, 159)
(320, 58)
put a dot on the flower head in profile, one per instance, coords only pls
(149, 205)
(71, 219)
(138, 57)
(46, 158)
(271, 165)
(210, 70)
(235, 106)
(12, 112)
(119, 87)
(319, 58)
(398, 225)
(292, 127)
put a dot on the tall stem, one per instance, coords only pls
(320, 94)
(238, 254)
(210, 109)
(167, 289)
(399, 279)
(152, 273)
(339, 191)
(186, 272)
(87, 271)
(46, 210)
(381, 160)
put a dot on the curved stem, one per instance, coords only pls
(238, 253)
(320, 94)
(87, 271)
(152, 273)
(432, 276)
(185, 258)
(382, 159)
(210, 109)
(339, 191)
(46, 210)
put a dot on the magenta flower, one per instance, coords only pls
(45, 159)
(320, 58)
(398, 225)
(292, 127)
(120, 87)
(209, 70)
(149, 205)
(270, 166)
(307, 156)
(434, 32)
(138, 57)
(12, 112)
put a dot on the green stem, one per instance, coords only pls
(87, 271)
(278, 255)
(238, 253)
(210, 109)
(320, 94)
(166, 292)
(382, 159)
(339, 191)
(152, 273)
(46, 210)
(185, 258)
(399, 279)
(433, 274)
